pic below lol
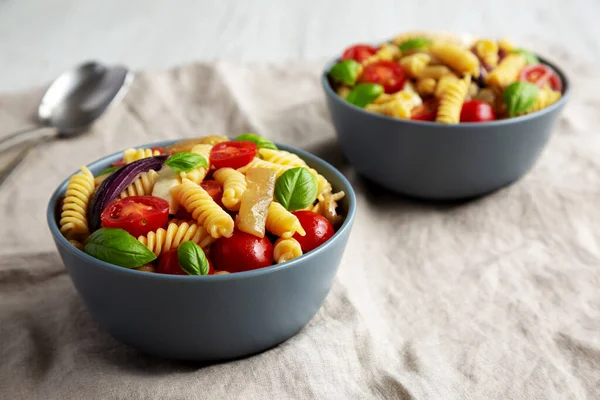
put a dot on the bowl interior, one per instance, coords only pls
(336, 178)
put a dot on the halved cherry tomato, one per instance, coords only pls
(213, 188)
(477, 111)
(541, 75)
(160, 149)
(232, 154)
(426, 111)
(359, 52)
(241, 252)
(138, 215)
(388, 74)
(169, 264)
(318, 230)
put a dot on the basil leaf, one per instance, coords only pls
(530, 57)
(192, 259)
(296, 189)
(260, 141)
(186, 161)
(364, 93)
(118, 247)
(519, 97)
(108, 170)
(345, 72)
(415, 43)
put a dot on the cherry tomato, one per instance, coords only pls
(359, 52)
(388, 74)
(426, 111)
(232, 154)
(541, 75)
(477, 111)
(138, 215)
(318, 230)
(169, 264)
(160, 149)
(241, 252)
(214, 189)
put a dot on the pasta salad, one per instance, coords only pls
(450, 80)
(200, 207)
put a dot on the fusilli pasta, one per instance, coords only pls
(73, 218)
(234, 186)
(131, 155)
(281, 157)
(506, 72)
(327, 206)
(203, 209)
(546, 97)
(426, 86)
(435, 72)
(142, 186)
(506, 46)
(487, 50)
(163, 240)
(286, 250)
(451, 101)
(386, 52)
(457, 57)
(415, 64)
(198, 174)
(258, 163)
(281, 222)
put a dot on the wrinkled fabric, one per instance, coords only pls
(494, 298)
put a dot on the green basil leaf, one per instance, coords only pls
(345, 72)
(415, 43)
(530, 57)
(260, 141)
(519, 97)
(296, 189)
(108, 170)
(186, 161)
(192, 259)
(118, 247)
(364, 93)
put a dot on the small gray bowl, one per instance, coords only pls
(207, 318)
(440, 162)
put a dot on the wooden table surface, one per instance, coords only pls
(41, 38)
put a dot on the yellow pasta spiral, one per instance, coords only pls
(203, 209)
(435, 72)
(507, 71)
(506, 45)
(142, 186)
(444, 83)
(343, 91)
(426, 86)
(163, 240)
(77, 244)
(131, 155)
(281, 222)
(487, 50)
(415, 63)
(197, 175)
(387, 52)
(286, 250)
(234, 186)
(258, 163)
(546, 97)
(451, 101)
(456, 57)
(73, 218)
(323, 185)
(281, 157)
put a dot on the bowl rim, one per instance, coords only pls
(84, 257)
(464, 125)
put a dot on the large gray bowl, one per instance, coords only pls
(435, 161)
(207, 318)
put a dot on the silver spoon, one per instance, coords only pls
(70, 105)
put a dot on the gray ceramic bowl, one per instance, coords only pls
(207, 318)
(435, 161)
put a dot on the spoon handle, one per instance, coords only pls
(17, 138)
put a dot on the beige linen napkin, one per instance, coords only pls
(496, 298)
